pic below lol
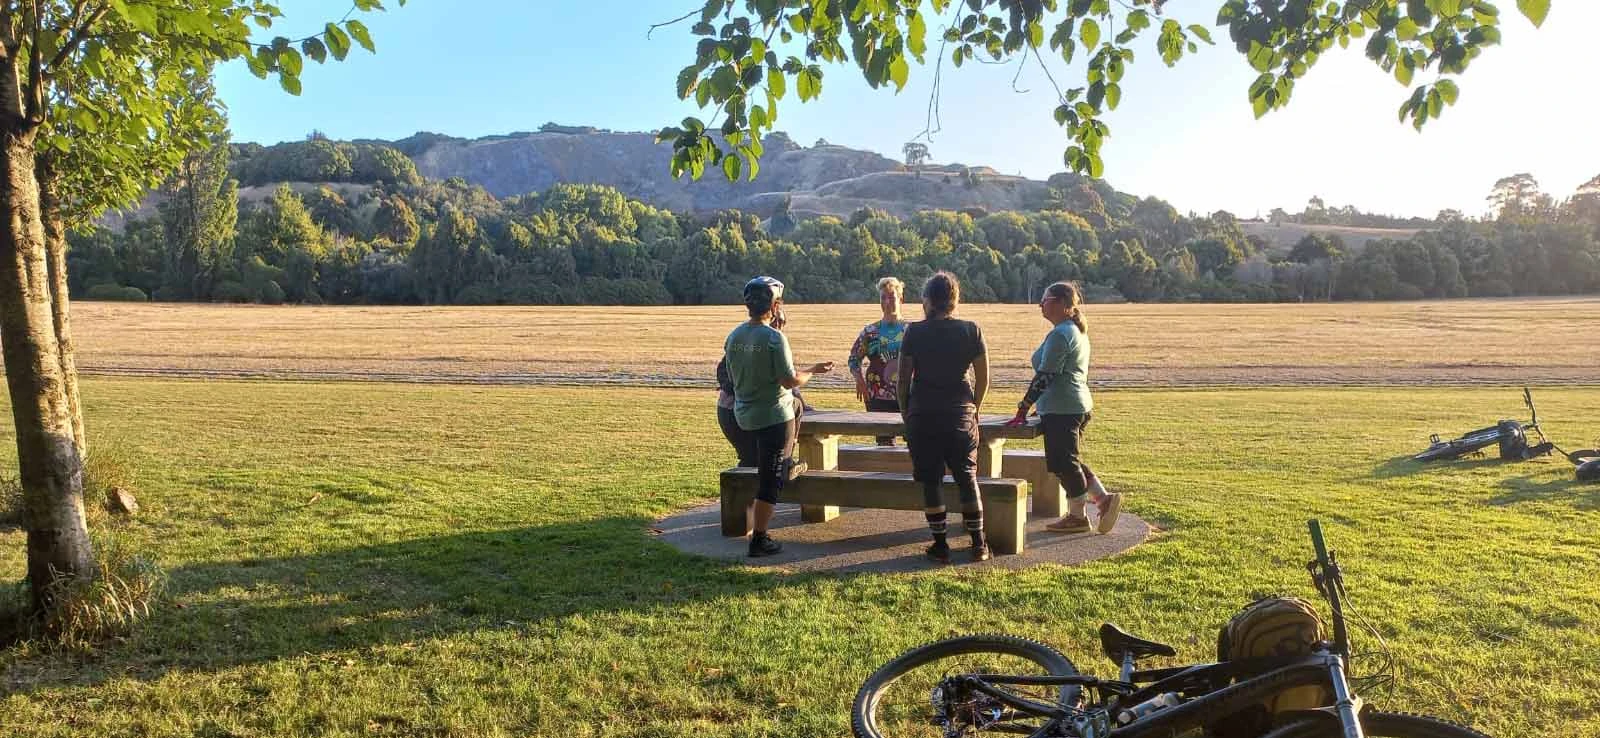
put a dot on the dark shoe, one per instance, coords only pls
(793, 468)
(981, 552)
(1108, 507)
(763, 545)
(939, 552)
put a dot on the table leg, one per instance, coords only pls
(991, 454)
(821, 453)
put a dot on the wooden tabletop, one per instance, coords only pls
(857, 423)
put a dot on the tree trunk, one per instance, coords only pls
(55, 246)
(47, 456)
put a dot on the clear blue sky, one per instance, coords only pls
(1185, 134)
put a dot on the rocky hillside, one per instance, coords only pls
(822, 179)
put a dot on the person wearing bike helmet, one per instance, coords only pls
(761, 366)
(940, 407)
(1060, 393)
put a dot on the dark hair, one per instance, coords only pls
(1072, 298)
(942, 291)
(758, 300)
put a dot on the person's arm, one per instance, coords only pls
(858, 352)
(908, 367)
(787, 375)
(1050, 367)
(980, 380)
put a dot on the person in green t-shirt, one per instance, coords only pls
(1060, 393)
(763, 375)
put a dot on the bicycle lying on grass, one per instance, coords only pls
(1006, 684)
(1510, 435)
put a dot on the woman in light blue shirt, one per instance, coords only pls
(1060, 393)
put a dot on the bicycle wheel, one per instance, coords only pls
(1380, 725)
(903, 698)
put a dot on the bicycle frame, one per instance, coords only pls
(1256, 679)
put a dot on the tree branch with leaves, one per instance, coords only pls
(742, 76)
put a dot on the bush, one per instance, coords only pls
(271, 293)
(116, 292)
(231, 291)
(87, 612)
(10, 501)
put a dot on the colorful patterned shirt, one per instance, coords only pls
(879, 345)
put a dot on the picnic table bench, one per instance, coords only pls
(879, 477)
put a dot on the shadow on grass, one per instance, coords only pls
(1404, 465)
(222, 615)
(1567, 490)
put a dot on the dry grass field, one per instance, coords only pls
(1547, 341)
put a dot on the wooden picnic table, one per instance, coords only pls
(820, 430)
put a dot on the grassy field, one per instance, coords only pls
(399, 559)
(1503, 342)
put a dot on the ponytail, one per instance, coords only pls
(1072, 298)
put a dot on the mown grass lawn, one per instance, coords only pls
(366, 559)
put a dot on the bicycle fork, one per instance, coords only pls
(1346, 706)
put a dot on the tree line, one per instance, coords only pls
(386, 236)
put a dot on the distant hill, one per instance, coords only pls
(820, 180)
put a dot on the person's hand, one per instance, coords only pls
(822, 367)
(1021, 418)
(861, 389)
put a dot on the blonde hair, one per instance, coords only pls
(890, 283)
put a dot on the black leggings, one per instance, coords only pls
(743, 441)
(940, 443)
(774, 445)
(883, 406)
(1063, 450)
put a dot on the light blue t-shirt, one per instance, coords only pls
(1065, 352)
(758, 357)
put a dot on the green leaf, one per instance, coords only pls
(338, 42)
(916, 35)
(1035, 35)
(289, 60)
(1097, 168)
(730, 166)
(1406, 29)
(1259, 106)
(358, 30)
(808, 84)
(313, 48)
(1448, 90)
(1113, 95)
(290, 83)
(1403, 71)
(1201, 31)
(1535, 10)
(777, 84)
(1089, 33)
(899, 71)
(686, 80)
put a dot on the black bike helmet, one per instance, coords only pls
(762, 291)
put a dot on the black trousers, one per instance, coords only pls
(1063, 451)
(941, 442)
(743, 441)
(774, 446)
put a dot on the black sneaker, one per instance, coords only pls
(980, 552)
(793, 468)
(939, 552)
(763, 545)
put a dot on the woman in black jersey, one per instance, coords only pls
(940, 406)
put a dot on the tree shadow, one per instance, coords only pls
(1569, 490)
(250, 611)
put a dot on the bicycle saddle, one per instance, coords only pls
(1116, 642)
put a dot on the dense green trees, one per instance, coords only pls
(449, 242)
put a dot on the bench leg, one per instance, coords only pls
(735, 511)
(991, 455)
(819, 453)
(1005, 523)
(1049, 497)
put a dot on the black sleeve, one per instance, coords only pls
(724, 379)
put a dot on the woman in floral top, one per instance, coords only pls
(879, 347)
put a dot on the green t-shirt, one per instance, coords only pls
(758, 357)
(1065, 352)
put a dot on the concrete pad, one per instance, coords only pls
(863, 540)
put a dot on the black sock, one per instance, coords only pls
(973, 522)
(937, 526)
